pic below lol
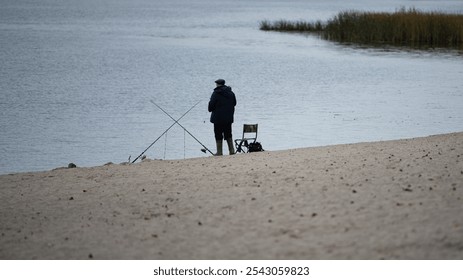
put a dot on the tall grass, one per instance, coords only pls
(403, 27)
(288, 26)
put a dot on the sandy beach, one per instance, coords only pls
(382, 200)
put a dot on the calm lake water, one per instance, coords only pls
(77, 78)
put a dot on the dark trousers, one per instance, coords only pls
(222, 131)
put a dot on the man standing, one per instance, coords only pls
(222, 108)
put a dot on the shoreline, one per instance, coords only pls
(396, 199)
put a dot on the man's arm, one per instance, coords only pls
(212, 102)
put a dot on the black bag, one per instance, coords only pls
(255, 147)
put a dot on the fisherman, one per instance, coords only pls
(222, 107)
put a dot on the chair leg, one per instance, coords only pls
(246, 145)
(238, 145)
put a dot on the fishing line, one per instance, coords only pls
(165, 146)
(176, 121)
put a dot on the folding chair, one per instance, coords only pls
(249, 136)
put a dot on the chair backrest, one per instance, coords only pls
(250, 129)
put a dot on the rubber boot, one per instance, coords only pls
(219, 148)
(231, 147)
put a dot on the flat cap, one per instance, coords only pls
(220, 82)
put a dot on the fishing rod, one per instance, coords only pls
(176, 121)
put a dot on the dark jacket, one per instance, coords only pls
(222, 105)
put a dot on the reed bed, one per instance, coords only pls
(288, 26)
(403, 27)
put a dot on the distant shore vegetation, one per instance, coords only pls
(411, 28)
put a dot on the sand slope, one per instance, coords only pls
(393, 200)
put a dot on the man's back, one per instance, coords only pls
(222, 105)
